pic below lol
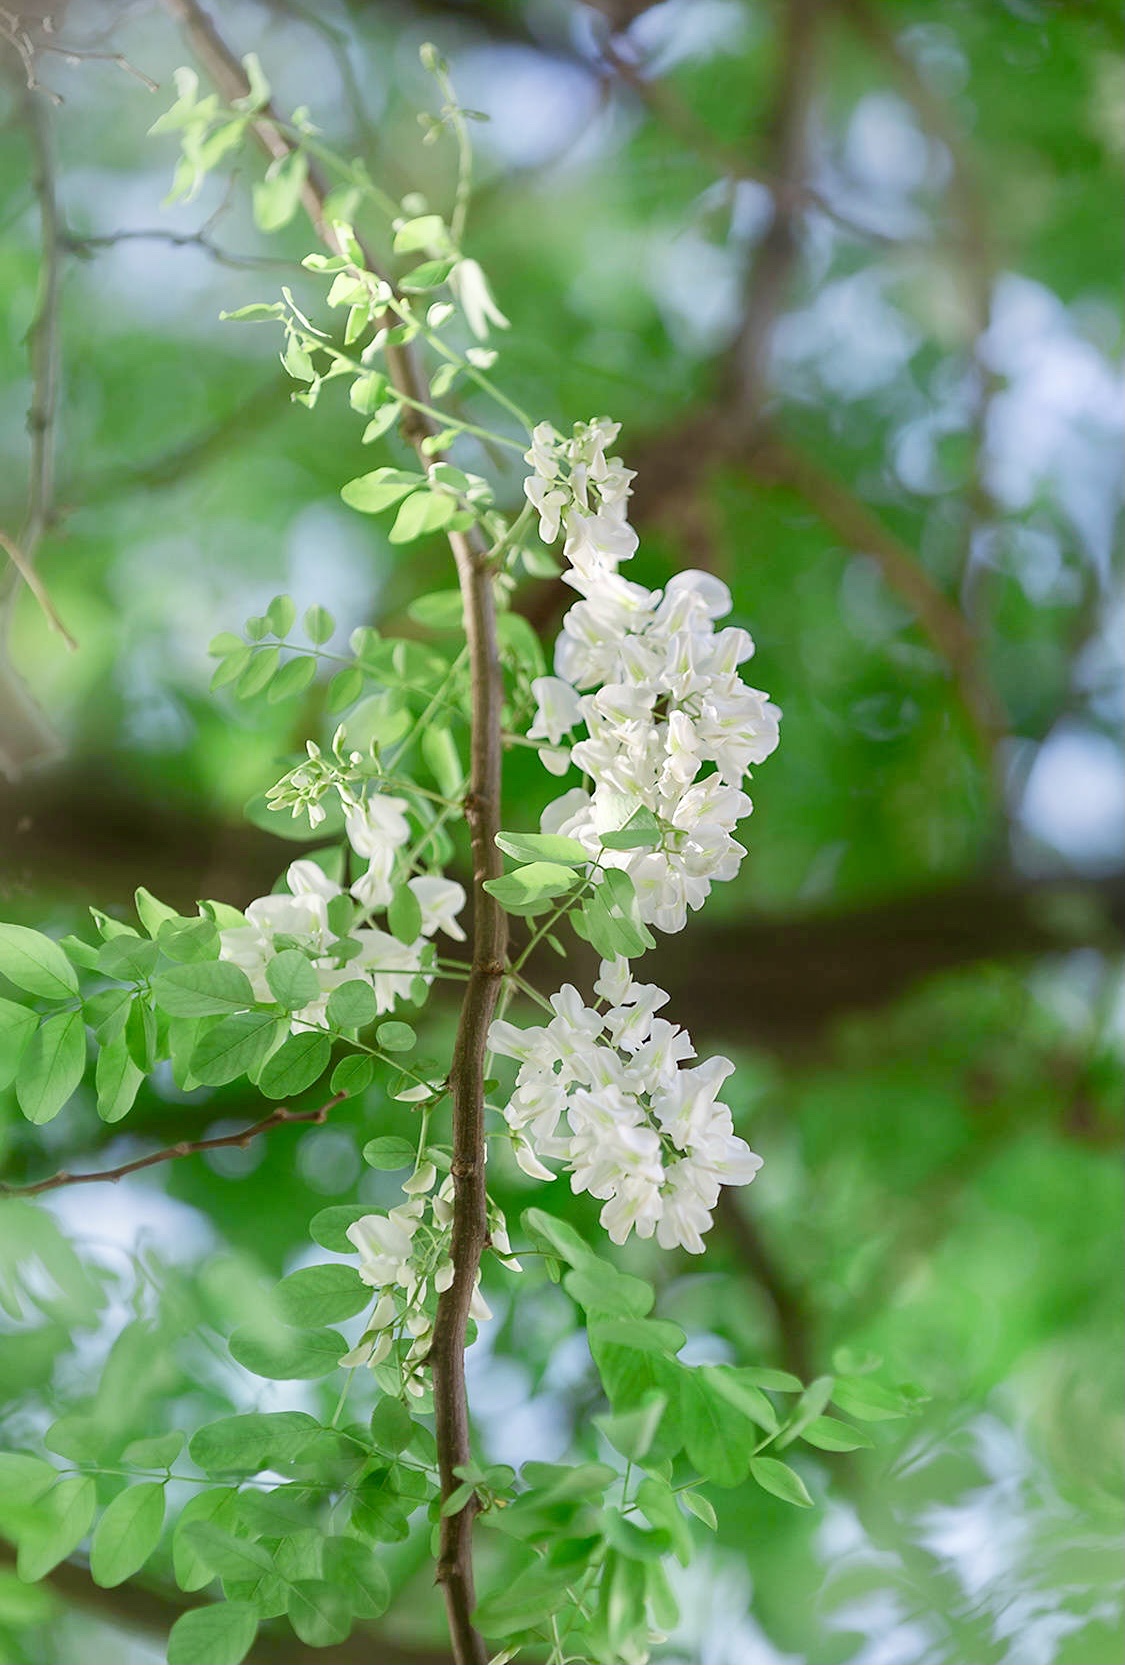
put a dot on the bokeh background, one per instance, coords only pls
(848, 272)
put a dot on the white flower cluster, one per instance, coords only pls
(670, 727)
(404, 1257)
(377, 831)
(604, 1092)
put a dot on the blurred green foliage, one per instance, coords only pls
(941, 1189)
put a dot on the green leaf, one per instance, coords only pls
(154, 1451)
(352, 1005)
(561, 1239)
(190, 942)
(806, 1410)
(321, 1295)
(440, 610)
(609, 1293)
(286, 1355)
(320, 1614)
(221, 1634)
(127, 1534)
(258, 673)
(17, 1025)
(828, 1433)
(429, 275)
(550, 847)
(641, 832)
(293, 678)
(51, 1067)
(293, 981)
(644, 1335)
(281, 615)
(329, 1226)
(219, 1505)
(718, 1438)
(296, 1064)
(151, 911)
(35, 963)
(319, 625)
(203, 989)
(744, 1395)
(404, 916)
(226, 1555)
(128, 957)
(371, 493)
(235, 1046)
(632, 1432)
(352, 1076)
(781, 1480)
(388, 1153)
(249, 1443)
(442, 759)
(368, 392)
(117, 1079)
(80, 1438)
(699, 1506)
(391, 1426)
(230, 668)
(61, 1521)
(277, 197)
(776, 1381)
(422, 512)
(344, 689)
(395, 1037)
(541, 881)
(424, 231)
(350, 1567)
(866, 1400)
(23, 1479)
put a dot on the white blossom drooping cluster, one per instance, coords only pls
(404, 1256)
(647, 701)
(377, 831)
(605, 1093)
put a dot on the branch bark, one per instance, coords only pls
(280, 1117)
(482, 808)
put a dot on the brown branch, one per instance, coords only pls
(776, 255)
(135, 1607)
(792, 1317)
(944, 625)
(280, 1117)
(667, 108)
(447, 1356)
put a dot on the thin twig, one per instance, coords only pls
(482, 809)
(82, 246)
(280, 1117)
(666, 107)
(31, 578)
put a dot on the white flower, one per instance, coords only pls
(605, 1094)
(440, 900)
(470, 286)
(558, 709)
(385, 1244)
(376, 824)
(308, 878)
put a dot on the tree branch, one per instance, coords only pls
(665, 106)
(447, 1355)
(943, 624)
(280, 1117)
